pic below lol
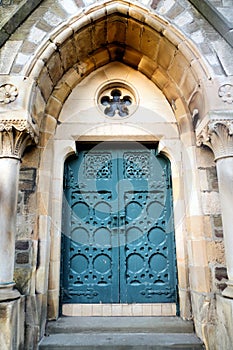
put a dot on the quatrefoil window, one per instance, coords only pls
(116, 104)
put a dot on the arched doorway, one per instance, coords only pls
(118, 232)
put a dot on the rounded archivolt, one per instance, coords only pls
(117, 101)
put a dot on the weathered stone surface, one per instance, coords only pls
(166, 53)
(83, 41)
(55, 68)
(68, 54)
(178, 68)
(12, 324)
(133, 34)
(150, 43)
(45, 83)
(223, 331)
(116, 29)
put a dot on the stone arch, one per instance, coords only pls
(148, 44)
(127, 33)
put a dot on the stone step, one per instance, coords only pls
(120, 333)
(120, 324)
(121, 341)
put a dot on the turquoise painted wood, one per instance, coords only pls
(118, 235)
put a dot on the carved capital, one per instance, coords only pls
(15, 136)
(218, 136)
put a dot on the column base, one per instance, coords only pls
(8, 293)
(228, 291)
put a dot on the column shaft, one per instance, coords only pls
(9, 175)
(225, 181)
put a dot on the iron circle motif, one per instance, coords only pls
(117, 100)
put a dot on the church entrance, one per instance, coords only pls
(118, 234)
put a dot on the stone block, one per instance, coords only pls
(212, 178)
(61, 91)
(199, 279)
(22, 277)
(147, 66)
(133, 34)
(150, 42)
(85, 67)
(166, 53)
(21, 245)
(116, 53)
(22, 258)
(171, 92)
(99, 34)
(83, 42)
(211, 203)
(178, 67)
(71, 79)
(224, 329)
(12, 324)
(203, 180)
(160, 78)
(197, 252)
(216, 252)
(48, 124)
(68, 54)
(188, 84)
(101, 57)
(55, 69)
(132, 57)
(45, 84)
(53, 107)
(53, 304)
(185, 304)
(216, 221)
(220, 277)
(116, 29)
(38, 106)
(175, 11)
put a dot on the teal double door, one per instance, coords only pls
(118, 235)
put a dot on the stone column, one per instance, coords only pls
(15, 135)
(218, 135)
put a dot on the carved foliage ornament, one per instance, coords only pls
(217, 135)
(226, 93)
(8, 93)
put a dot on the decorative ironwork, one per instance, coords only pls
(149, 292)
(98, 165)
(119, 244)
(8, 93)
(136, 165)
(116, 104)
(89, 293)
(226, 93)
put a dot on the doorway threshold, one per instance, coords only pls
(163, 309)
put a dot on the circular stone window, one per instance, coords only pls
(117, 100)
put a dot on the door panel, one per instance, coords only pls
(118, 241)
